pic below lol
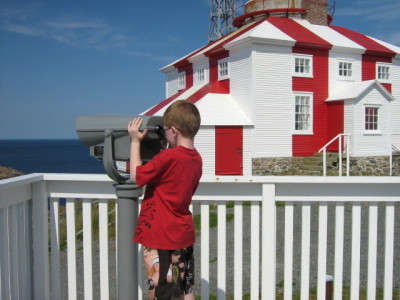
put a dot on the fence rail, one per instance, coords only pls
(289, 231)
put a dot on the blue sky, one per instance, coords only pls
(61, 59)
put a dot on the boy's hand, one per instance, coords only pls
(134, 130)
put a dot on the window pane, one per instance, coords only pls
(302, 65)
(371, 118)
(345, 69)
(383, 72)
(302, 113)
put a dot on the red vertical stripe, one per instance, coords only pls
(307, 145)
(213, 60)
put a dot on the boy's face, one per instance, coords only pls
(175, 258)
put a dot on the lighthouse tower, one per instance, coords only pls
(317, 12)
(227, 15)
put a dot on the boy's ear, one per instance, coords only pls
(174, 130)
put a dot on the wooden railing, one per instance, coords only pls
(286, 231)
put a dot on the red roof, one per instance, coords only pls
(373, 48)
(303, 36)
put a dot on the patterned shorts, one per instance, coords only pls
(170, 272)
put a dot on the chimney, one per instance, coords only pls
(317, 11)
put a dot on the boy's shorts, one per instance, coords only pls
(170, 272)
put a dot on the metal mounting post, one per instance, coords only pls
(127, 202)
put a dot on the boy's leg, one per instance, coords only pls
(165, 288)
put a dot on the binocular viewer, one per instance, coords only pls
(108, 139)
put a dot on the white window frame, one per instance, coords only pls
(223, 69)
(200, 76)
(301, 70)
(387, 77)
(302, 96)
(347, 73)
(376, 130)
(181, 80)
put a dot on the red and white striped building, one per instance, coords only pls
(283, 87)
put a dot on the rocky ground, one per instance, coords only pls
(8, 173)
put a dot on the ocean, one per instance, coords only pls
(48, 156)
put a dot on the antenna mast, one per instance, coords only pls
(221, 18)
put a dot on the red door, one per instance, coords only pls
(228, 150)
(336, 123)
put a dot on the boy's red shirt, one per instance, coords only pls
(172, 177)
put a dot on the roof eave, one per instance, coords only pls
(258, 40)
(352, 50)
(372, 83)
(167, 69)
(197, 58)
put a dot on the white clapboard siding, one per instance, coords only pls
(335, 82)
(395, 105)
(205, 144)
(378, 143)
(171, 83)
(241, 83)
(248, 137)
(273, 122)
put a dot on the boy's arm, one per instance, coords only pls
(136, 138)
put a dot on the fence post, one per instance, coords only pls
(41, 276)
(268, 242)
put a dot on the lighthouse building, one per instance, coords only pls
(284, 85)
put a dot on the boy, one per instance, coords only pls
(165, 223)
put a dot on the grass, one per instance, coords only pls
(79, 223)
(213, 221)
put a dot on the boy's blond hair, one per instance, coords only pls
(184, 116)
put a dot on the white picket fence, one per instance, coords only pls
(282, 231)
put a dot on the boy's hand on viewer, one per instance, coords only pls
(134, 130)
